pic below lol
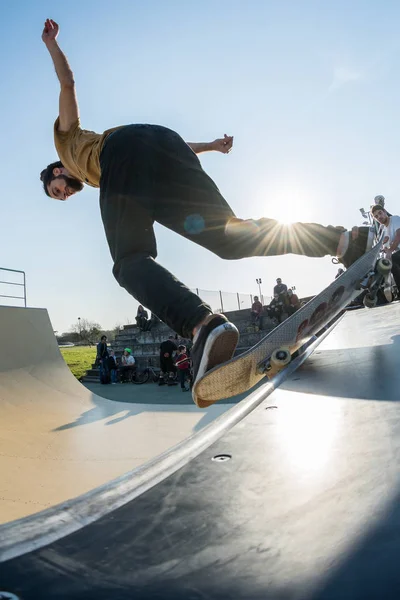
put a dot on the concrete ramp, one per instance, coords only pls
(57, 439)
(299, 498)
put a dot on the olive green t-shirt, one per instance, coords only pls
(79, 151)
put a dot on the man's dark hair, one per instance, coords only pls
(181, 348)
(103, 337)
(377, 207)
(47, 174)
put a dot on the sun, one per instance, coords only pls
(292, 205)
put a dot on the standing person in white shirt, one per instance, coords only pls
(391, 229)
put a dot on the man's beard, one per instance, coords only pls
(73, 184)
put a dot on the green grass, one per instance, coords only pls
(79, 359)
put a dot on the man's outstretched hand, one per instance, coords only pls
(223, 145)
(50, 31)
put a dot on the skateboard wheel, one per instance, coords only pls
(370, 301)
(281, 357)
(383, 266)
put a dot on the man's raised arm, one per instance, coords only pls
(223, 145)
(69, 111)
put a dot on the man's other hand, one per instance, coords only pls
(223, 145)
(50, 31)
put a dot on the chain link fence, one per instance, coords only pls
(228, 301)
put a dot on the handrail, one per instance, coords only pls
(15, 283)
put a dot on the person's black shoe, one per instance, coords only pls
(213, 344)
(352, 249)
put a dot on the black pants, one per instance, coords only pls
(148, 174)
(396, 268)
(183, 375)
(167, 364)
(125, 372)
(142, 323)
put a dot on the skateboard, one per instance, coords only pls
(274, 351)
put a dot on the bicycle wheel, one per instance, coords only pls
(140, 377)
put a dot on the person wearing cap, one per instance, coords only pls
(127, 364)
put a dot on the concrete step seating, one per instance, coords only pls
(145, 345)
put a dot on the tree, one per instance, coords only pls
(68, 337)
(88, 331)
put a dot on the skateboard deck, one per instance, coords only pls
(273, 352)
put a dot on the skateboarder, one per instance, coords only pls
(147, 173)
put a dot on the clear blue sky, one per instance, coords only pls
(310, 90)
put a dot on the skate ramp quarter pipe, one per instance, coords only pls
(57, 439)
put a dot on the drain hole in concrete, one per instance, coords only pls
(221, 457)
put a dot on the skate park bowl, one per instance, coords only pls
(292, 492)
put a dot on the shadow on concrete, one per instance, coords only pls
(371, 569)
(127, 401)
(368, 373)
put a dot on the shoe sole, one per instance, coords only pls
(219, 348)
(388, 294)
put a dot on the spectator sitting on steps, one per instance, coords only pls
(142, 318)
(127, 365)
(280, 287)
(256, 310)
(102, 360)
(275, 308)
(167, 350)
(293, 302)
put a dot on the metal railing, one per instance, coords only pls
(15, 283)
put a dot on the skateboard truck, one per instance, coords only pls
(278, 359)
(378, 277)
